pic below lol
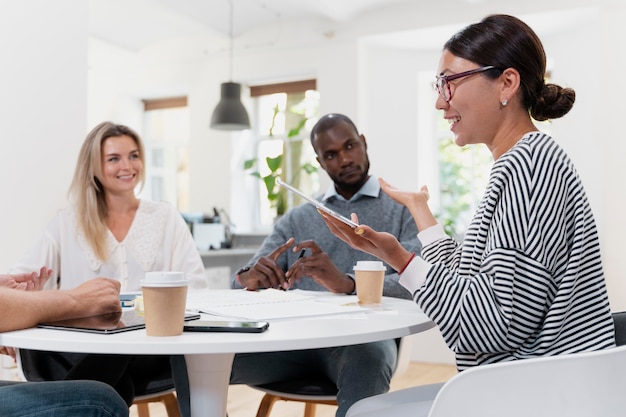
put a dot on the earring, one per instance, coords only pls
(504, 102)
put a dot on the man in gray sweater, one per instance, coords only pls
(359, 371)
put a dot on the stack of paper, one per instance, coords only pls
(266, 304)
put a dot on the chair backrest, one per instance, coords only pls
(574, 385)
(619, 319)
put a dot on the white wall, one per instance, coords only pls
(607, 138)
(43, 83)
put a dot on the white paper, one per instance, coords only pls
(265, 304)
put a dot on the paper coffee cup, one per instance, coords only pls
(369, 278)
(164, 302)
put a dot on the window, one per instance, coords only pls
(279, 147)
(166, 127)
(456, 176)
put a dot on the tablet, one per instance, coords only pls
(107, 323)
(316, 203)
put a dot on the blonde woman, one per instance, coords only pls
(108, 231)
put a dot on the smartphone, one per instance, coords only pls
(226, 326)
(317, 203)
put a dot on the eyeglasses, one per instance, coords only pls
(442, 82)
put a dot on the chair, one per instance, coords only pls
(619, 319)
(166, 397)
(318, 391)
(573, 385)
(156, 391)
(576, 385)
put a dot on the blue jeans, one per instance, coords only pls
(359, 371)
(60, 398)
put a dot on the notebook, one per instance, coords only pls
(106, 324)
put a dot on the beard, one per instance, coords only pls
(353, 185)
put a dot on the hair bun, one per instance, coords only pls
(553, 102)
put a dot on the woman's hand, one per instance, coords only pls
(416, 202)
(383, 245)
(406, 198)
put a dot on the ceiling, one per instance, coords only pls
(136, 24)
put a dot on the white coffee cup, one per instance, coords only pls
(164, 302)
(369, 278)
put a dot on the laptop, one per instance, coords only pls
(107, 323)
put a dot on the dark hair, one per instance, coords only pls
(506, 42)
(329, 121)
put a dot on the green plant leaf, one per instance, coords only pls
(274, 163)
(309, 168)
(296, 130)
(270, 184)
(249, 163)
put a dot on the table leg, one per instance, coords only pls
(209, 376)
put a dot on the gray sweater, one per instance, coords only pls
(305, 223)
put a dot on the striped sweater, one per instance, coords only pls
(527, 279)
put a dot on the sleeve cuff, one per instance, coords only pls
(414, 275)
(432, 234)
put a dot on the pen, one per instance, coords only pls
(300, 255)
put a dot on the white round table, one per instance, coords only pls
(209, 356)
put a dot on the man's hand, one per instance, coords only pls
(321, 268)
(95, 297)
(26, 281)
(266, 273)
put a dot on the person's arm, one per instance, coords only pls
(23, 309)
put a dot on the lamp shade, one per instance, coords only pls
(230, 114)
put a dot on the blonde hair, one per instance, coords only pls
(86, 190)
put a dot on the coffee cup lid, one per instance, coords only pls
(164, 279)
(179, 283)
(369, 266)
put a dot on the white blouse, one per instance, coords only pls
(158, 240)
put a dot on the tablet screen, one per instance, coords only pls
(317, 203)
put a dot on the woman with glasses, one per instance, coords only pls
(527, 279)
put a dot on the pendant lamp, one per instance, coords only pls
(230, 114)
